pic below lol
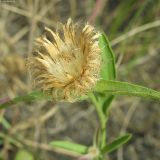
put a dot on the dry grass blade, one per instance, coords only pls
(31, 122)
(136, 31)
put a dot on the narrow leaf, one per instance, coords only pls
(107, 102)
(70, 146)
(36, 95)
(124, 88)
(108, 70)
(4, 122)
(116, 143)
(1, 142)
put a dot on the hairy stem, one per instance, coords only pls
(103, 120)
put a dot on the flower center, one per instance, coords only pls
(68, 65)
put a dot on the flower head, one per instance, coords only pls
(66, 63)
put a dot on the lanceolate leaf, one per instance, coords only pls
(70, 146)
(107, 103)
(124, 88)
(108, 70)
(116, 143)
(35, 95)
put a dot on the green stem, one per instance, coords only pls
(102, 118)
(103, 134)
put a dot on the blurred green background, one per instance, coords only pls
(133, 28)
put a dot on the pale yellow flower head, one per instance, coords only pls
(66, 63)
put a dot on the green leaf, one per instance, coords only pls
(1, 142)
(36, 95)
(124, 88)
(108, 70)
(4, 122)
(70, 146)
(106, 104)
(116, 143)
(82, 98)
(10, 140)
(24, 155)
(1, 156)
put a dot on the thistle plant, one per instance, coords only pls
(66, 66)
(75, 63)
